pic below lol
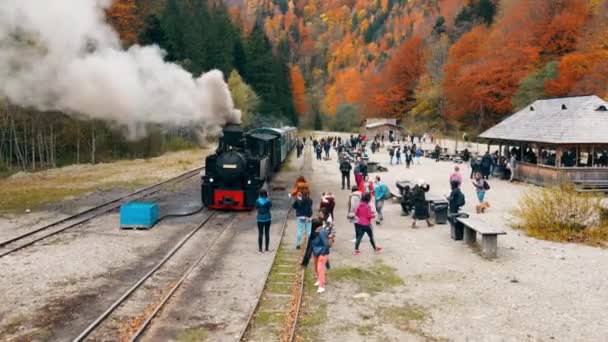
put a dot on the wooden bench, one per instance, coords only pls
(489, 235)
(591, 185)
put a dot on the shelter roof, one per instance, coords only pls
(569, 120)
(380, 124)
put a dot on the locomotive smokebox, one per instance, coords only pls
(232, 136)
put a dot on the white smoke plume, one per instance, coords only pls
(62, 55)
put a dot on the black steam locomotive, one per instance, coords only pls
(241, 165)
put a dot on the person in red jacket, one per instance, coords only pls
(365, 215)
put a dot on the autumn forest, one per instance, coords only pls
(445, 66)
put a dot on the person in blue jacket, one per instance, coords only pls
(381, 193)
(263, 205)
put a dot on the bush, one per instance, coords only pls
(562, 214)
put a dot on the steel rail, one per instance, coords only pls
(94, 212)
(168, 296)
(135, 286)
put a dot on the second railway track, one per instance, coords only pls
(129, 316)
(22, 241)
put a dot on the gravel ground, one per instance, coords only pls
(52, 289)
(536, 290)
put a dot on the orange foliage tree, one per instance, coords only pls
(394, 94)
(298, 87)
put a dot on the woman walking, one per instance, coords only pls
(365, 215)
(263, 205)
(481, 186)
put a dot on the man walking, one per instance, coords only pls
(345, 168)
(380, 194)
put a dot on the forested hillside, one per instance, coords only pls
(442, 65)
(439, 63)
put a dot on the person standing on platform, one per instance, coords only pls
(264, 217)
(303, 207)
(345, 168)
(418, 155)
(380, 194)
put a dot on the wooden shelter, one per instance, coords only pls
(378, 126)
(556, 140)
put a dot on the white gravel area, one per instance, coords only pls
(53, 277)
(534, 291)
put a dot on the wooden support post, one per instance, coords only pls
(489, 246)
(470, 236)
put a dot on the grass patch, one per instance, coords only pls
(563, 214)
(282, 278)
(266, 318)
(366, 329)
(374, 279)
(314, 311)
(13, 326)
(195, 334)
(402, 316)
(25, 190)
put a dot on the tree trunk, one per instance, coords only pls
(78, 143)
(93, 145)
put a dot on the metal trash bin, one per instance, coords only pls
(456, 228)
(440, 209)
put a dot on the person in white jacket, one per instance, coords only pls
(353, 202)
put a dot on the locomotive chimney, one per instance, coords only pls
(232, 136)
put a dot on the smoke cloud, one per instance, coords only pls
(62, 55)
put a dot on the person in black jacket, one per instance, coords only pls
(421, 206)
(345, 168)
(303, 207)
(456, 199)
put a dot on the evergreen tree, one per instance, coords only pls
(172, 26)
(269, 76)
(153, 32)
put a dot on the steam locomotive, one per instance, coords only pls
(241, 165)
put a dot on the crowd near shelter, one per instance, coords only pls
(381, 126)
(556, 140)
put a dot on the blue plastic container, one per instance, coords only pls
(141, 215)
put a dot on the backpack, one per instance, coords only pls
(486, 185)
(461, 201)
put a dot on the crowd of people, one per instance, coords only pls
(365, 204)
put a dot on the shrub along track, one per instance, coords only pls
(125, 320)
(22, 241)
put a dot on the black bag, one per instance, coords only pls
(486, 185)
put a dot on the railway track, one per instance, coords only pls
(22, 241)
(291, 301)
(156, 287)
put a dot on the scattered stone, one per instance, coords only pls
(27, 211)
(514, 280)
(362, 295)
